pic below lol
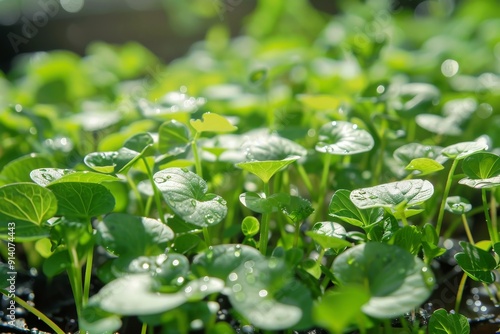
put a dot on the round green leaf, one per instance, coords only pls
(391, 195)
(103, 162)
(482, 165)
(457, 205)
(409, 152)
(271, 147)
(250, 226)
(219, 261)
(442, 322)
(46, 176)
(462, 150)
(266, 294)
(212, 123)
(185, 193)
(28, 201)
(397, 281)
(329, 235)
(136, 294)
(150, 236)
(18, 170)
(343, 138)
(25, 231)
(491, 182)
(297, 208)
(439, 124)
(266, 169)
(79, 199)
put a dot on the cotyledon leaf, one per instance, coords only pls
(186, 194)
(462, 150)
(343, 138)
(212, 123)
(46, 176)
(266, 169)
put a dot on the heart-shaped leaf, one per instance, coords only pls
(457, 205)
(266, 169)
(482, 165)
(343, 208)
(186, 193)
(394, 194)
(297, 209)
(83, 200)
(424, 166)
(462, 150)
(117, 229)
(212, 123)
(250, 226)
(397, 281)
(28, 201)
(442, 322)
(343, 138)
(25, 231)
(173, 138)
(478, 264)
(261, 204)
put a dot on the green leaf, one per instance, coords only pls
(442, 322)
(170, 104)
(320, 101)
(219, 261)
(115, 297)
(266, 169)
(462, 150)
(409, 152)
(96, 320)
(457, 205)
(394, 194)
(25, 231)
(343, 138)
(56, 263)
(424, 166)
(329, 235)
(409, 238)
(267, 295)
(173, 138)
(258, 76)
(150, 236)
(491, 182)
(263, 147)
(19, 170)
(343, 208)
(83, 200)
(250, 226)
(46, 176)
(28, 201)
(258, 203)
(103, 162)
(439, 124)
(398, 281)
(345, 303)
(186, 194)
(297, 209)
(476, 263)
(482, 165)
(212, 123)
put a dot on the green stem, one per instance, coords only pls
(75, 277)
(491, 230)
(206, 236)
(303, 175)
(445, 196)
(493, 210)
(34, 311)
(156, 194)
(460, 292)
(88, 276)
(137, 194)
(264, 225)
(322, 187)
(197, 161)
(467, 229)
(144, 328)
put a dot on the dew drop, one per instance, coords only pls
(175, 263)
(204, 287)
(373, 197)
(48, 177)
(160, 180)
(209, 219)
(188, 290)
(237, 288)
(262, 293)
(193, 203)
(185, 170)
(233, 277)
(145, 265)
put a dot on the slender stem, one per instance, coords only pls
(305, 178)
(137, 194)
(387, 326)
(197, 161)
(467, 229)
(322, 187)
(206, 236)
(144, 328)
(34, 311)
(88, 276)
(297, 234)
(403, 217)
(460, 292)
(156, 194)
(75, 276)
(493, 210)
(320, 256)
(264, 225)
(445, 196)
(491, 231)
